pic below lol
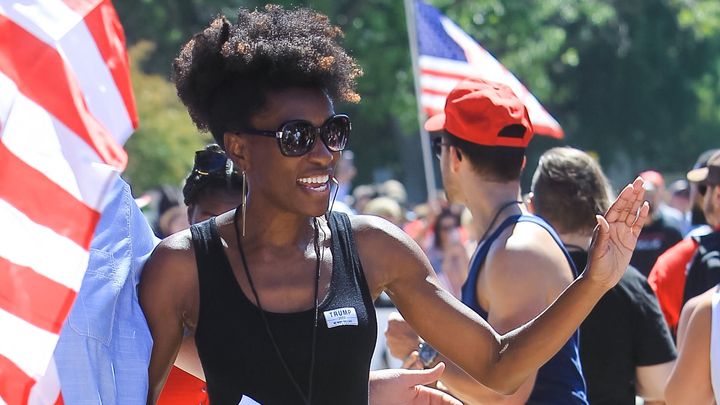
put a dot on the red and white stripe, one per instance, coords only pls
(66, 107)
(438, 76)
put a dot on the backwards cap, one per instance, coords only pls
(485, 113)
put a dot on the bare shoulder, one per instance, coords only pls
(527, 250)
(171, 269)
(384, 250)
(700, 306)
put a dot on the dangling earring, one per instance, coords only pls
(332, 202)
(244, 200)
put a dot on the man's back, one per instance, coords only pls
(624, 331)
(515, 274)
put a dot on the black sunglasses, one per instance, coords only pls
(211, 167)
(437, 144)
(209, 162)
(296, 138)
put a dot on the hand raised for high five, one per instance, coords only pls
(616, 235)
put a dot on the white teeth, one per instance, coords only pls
(315, 179)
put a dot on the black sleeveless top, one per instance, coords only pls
(236, 353)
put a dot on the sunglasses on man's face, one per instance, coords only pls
(296, 138)
(437, 144)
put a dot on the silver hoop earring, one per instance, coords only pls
(244, 200)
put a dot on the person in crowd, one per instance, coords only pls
(698, 224)
(695, 379)
(173, 220)
(362, 194)
(626, 348)
(669, 275)
(278, 293)
(212, 187)
(447, 253)
(520, 265)
(345, 172)
(386, 208)
(679, 191)
(659, 233)
(671, 216)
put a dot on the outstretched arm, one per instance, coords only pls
(502, 363)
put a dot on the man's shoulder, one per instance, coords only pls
(527, 249)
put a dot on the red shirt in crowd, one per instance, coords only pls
(667, 279)
(183, 388)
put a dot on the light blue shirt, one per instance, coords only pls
(103, 353)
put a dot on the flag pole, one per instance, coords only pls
(424, 136)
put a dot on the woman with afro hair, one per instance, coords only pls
(279, 292)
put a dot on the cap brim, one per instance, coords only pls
(435, 123)
(698, 175)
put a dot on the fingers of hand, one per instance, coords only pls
(621, 206)
(642, 217)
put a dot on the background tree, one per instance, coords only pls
(635, 82)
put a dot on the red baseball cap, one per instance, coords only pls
(478, 111)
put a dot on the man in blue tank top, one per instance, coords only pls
(519, 266)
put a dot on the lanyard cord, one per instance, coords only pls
(495, 218)
(307, 400)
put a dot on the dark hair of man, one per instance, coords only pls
(500, 164)
(223, 74)
(569, 189)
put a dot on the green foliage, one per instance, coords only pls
(637, 82)
(161, 151)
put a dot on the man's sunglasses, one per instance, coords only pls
(296, 138)
(437, 144)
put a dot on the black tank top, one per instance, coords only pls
(236, 354)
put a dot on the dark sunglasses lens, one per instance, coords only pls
(437, 147)
(210, 162)
(335, 133)
(297, 138)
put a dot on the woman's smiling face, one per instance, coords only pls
(294, 184)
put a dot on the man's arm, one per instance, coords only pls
(651, 381)
(393, 262)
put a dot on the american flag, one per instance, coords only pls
(66, 107)
(446, 55)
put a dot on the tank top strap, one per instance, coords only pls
(476, 262)
(715, 345)
(215, 275)
(543, 224)
(344, 249)
(481, 252)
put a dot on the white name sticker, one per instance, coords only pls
(248, 401)
(341, 317)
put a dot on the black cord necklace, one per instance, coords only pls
(307, 400)
(495, 218)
